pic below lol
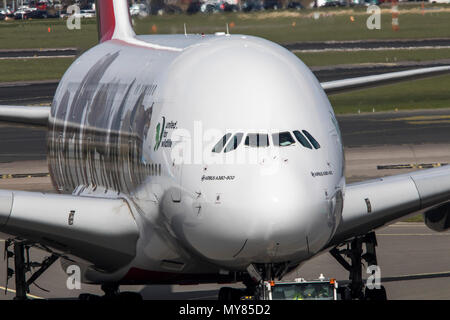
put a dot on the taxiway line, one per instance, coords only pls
(24, 175)
(368, 49)
(413, 234)
(14, 291)
(37, 57)
(416, 276)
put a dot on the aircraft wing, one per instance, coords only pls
(374, 203)
(101, 231)
(344, 85)
(25, 114)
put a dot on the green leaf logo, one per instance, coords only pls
(159, 133)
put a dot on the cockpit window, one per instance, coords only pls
(301, 138)
(311, 139)
(257, 140)
(234, 142)
(282, 139)
(219, 146)
(230, 142)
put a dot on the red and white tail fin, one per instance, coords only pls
(114, 21)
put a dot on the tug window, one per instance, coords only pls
(311, 138)
(282, 139)
(257, 140)
(234, 142)
(219, 146)
(301, 138)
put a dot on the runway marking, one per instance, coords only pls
(37, 57)
(411, 226)
(407, 224)
(416, 276)
(24, 175)
(428, 122)
(411, 166)
(420, 118)
(14, 291)
(414, 234)
(366, 49)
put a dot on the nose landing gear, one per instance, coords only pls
(112, 293)
(254, 281)
(354, 251)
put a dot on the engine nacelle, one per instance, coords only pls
(438, 218)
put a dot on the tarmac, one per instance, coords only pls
(354, 45)
(38, 53)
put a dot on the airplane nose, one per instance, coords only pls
(271, 221)
(292, 222)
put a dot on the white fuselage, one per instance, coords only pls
(140, 123)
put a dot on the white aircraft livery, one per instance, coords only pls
(201, 159)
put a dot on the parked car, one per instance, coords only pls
(252, 5)
(332, 4)
(2, 16)
(165, 9)
(172, 9)
(139, 9)
(294, 5)
(21, 14)
(229, 7)
(41, 5)
(6, 11)
(210, 6)
(85, 14)
(272, 5)
(194, 7)
(37, 14)
(371, 2)
(440, 1)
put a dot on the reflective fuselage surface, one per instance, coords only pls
(141, 123)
